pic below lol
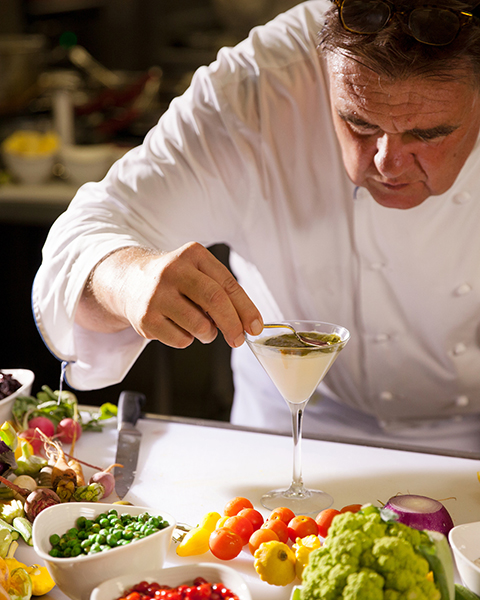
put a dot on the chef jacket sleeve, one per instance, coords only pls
(197, 176)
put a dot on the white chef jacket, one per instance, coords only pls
(248, 157)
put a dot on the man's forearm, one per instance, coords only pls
(101, 306)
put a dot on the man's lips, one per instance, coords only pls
(394, 186)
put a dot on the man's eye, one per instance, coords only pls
(363, 129)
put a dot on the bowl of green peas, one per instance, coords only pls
(85, 543)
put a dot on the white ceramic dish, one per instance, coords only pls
(26, 378)
(77, 577)
(174, 576)
(87, 163)
(465, 543)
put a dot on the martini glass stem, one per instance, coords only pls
(297, 487)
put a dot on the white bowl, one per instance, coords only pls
(77, 577)
(30, 170)
(87, 163)
(26, 378)
(465, 543)
(174, 576)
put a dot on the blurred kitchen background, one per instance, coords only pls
(99, 74)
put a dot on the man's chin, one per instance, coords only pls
(402, 198)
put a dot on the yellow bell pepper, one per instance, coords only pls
(275, 563)
(302, 548)
(196, 540)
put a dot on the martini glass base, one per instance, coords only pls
(302, 502)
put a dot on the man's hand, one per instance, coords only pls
(173, 297)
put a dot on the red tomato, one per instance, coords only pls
(283, 513)
(279, 527)
(255, 517)
(324, 520)
(240, 525)
(260, 536)
(351, 508)
(234, 506)
(225, 544)
(301, 526)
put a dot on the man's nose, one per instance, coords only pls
(394, 155)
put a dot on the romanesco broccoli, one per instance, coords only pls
(367, 558)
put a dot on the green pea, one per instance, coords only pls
(104, 522)
(56, 553)
(81, 522)
(54, 539)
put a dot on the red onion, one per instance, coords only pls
(421, 512)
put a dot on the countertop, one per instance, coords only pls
(188, 469)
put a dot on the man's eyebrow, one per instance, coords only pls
(432, 132)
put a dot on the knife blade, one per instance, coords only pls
(128, 440)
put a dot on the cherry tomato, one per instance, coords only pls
(240, 525)
(301, 526)
(283, 513)
(260, 536)
(354, 508)
(221, 521)
(225, 544)
(279, 527)
(234, 506)
(324, 520)
(254, 516)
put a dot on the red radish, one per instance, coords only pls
(44, 424)
(421, 512)
(68, 430)
(33, 437)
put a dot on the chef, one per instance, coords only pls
(336, 152)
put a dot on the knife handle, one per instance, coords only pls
(129, 407)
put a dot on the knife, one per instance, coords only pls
(128, 440)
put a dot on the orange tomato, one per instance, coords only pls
(260, 536)
(225, 544)
(283, 513)
(234, 506)
(301, 526)
(351, 508)
(254, 516)
(240, 525)
(279, 527)
(324, 520)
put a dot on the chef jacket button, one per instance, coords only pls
(381, 337)
(462, 400)
(464, 288)
(459, 348)
(462, 197)
(386, 396)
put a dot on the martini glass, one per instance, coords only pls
(296, 369)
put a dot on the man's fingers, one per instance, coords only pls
(219, 294)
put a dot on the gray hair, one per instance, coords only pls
(395, 54)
